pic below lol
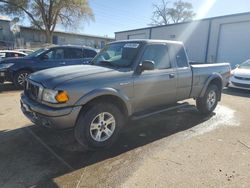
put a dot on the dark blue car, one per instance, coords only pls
(17, 69)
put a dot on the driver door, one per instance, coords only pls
(52, 58)
(155, 88)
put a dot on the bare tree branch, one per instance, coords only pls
(24, 10)
(46, 14)
(180, 11)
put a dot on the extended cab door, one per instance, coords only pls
(184, 71)
(155, 87)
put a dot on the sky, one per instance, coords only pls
(119, 15)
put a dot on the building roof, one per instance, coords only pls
(71, 33)
(6, 19)
(217, 17)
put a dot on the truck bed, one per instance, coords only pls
(201, 73)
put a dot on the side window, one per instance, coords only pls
(9, 54)
(89, 53)
(159, 54)
(181, 58)
(49, 55)
(53, 54)
(73, 53)
(20, 55)
(59, 54)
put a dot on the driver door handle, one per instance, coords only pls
(62, 63)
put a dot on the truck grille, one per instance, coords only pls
(241, 85)
(242, 78)
(32, 90)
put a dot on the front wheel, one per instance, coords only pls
(98, 126)
(209, 101)
(19, 78)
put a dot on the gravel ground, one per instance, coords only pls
(175, 149)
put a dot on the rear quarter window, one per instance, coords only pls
(180, 56)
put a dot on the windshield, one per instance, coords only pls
(245, 65)
(37, 53)
(117, 54)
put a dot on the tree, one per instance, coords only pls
(46, 14)
(163, 14)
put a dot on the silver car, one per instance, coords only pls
(241, 76)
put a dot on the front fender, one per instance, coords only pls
(214, 76)
(104, 92)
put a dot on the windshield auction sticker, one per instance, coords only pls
(131, 45)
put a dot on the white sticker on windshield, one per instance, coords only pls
(131, 45)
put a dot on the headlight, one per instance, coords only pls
(232, 73)
(5, 65)
(53, 96)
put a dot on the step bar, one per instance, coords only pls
(181, 105)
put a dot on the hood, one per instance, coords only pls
(241, 72)
(50, 78)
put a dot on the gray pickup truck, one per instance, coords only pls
(127, 79)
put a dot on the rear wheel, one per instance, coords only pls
(98, 126)
(19, 78)
(209, 101)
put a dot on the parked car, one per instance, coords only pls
(11, 53)
(27, 51)
(241, 76)
(127, 79)
(16, 70)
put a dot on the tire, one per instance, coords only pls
(19, 78)
(209, 101)
(92, 132)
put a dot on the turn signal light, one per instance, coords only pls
(62, 97)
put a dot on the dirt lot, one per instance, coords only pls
(175, 149)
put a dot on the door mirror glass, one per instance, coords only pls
(147, 65)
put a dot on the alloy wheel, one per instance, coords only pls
(102, 127)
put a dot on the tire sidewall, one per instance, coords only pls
(82, 129)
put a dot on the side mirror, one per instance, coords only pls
(147, 65)
(45, 57)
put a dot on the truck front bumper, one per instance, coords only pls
(56, 118)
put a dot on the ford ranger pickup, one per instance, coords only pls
(127, 79)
